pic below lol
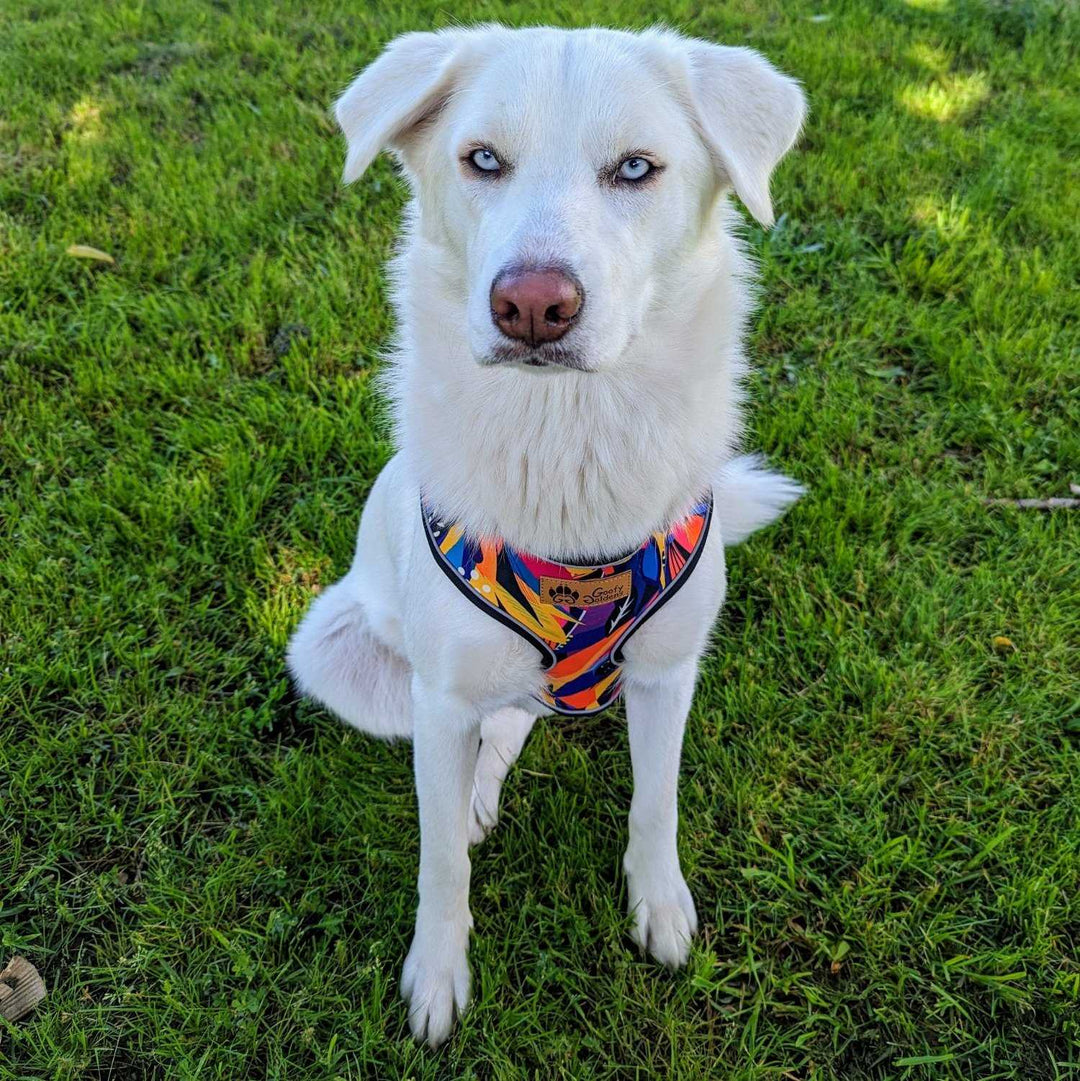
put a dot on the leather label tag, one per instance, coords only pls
(570, 593)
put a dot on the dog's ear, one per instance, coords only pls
(749, 114)
(408, 82)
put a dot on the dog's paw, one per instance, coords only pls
(487, 787)
(664, 918)
(435, 982)
(483, 817)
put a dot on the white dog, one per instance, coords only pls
(571, 305)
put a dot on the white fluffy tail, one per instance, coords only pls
(749, 496)
(335, 658)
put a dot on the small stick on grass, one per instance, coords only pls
(1055, 503)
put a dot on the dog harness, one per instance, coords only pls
(578, 617)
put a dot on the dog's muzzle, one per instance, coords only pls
(544, 356)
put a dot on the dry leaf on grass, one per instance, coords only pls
(21, 989)
(84, 251)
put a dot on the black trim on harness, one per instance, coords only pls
(680, 581)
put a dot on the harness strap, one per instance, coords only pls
(578, 617)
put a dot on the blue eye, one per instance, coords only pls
(485, 160)
(633, 169)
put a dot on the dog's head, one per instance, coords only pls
(564, 175)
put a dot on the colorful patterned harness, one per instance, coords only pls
(578, 617)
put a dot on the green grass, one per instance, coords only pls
(880, 812)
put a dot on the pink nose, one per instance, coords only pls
(535, 305)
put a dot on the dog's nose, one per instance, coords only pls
(535, 305)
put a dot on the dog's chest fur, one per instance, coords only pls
(571, 464)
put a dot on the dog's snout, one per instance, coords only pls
(535, 304)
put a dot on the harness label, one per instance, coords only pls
(575, 593)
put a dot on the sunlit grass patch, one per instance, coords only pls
(929, 56)
(951, 97)
(951, 220)
(84, 121)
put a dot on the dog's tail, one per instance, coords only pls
(335, 657)
(748, 496)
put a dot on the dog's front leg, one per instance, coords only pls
(660, 903)
(435, 979)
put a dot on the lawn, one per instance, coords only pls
(881, 784)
